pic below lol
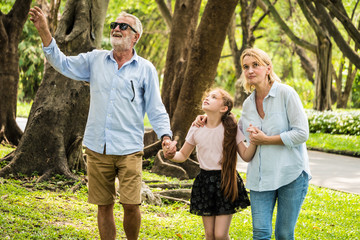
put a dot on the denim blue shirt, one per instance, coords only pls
(274, 166)
(119, 98)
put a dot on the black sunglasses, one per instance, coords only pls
(123, 26)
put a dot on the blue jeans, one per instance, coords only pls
(289, 199)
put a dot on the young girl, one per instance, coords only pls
(218, 191)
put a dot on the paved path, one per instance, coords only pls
(21, 122)
(331, 171)
(328, 170)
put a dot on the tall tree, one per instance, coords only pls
(248, 40)
(11, 26)
(197, 62)
(322, 24)
(191, 63)
(52, 142)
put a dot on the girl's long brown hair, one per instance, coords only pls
(228, 163)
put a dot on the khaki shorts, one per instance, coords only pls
(102, 170)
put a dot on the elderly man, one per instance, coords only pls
(123, 86)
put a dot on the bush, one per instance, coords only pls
(334, 122)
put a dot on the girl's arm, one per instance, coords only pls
(184, 153)
(246, 152)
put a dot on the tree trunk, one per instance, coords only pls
(306, 63)
(185, 14)
(52, 142)
(191, 65)
(323, 55)
(343, 95)
(11, 26)
(323, 75)
(201, 66)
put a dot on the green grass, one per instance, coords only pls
(23, 109)
(30, 213)
(332, 142)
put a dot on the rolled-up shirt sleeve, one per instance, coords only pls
(299, 126)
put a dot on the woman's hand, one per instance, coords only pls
(256, 136)
(199, 121)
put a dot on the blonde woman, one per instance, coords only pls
(279, 171)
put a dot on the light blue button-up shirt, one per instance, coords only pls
(119, 98)
(274, 166)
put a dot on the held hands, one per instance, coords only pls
(257, 137)
(169, 148)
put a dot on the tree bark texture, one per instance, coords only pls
(202, 63)
(11, 26)
(343, 95)
(323, 55)
(191, 63)
(186, 13)
(52, 142)
(323, 75)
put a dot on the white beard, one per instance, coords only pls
(121, 44)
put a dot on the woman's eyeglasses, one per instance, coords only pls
(122, 26)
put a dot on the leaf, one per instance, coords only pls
(179, 235)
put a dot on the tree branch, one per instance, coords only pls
(336, 35)
(286, 29)
(342, 17)
(165, 12)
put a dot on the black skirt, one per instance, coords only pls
(207, 198)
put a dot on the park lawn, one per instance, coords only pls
(30, 213)
(45, 211)
(334, 142)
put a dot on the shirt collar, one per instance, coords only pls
(135, 57)
(271, 93)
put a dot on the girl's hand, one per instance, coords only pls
(251, 129)
(199, 121)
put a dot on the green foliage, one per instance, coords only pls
(23, 109)
(334, 122)
(305, 89)
(31, 62)
(6, 5)
(355, 92)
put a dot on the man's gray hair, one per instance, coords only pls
(138, 25)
